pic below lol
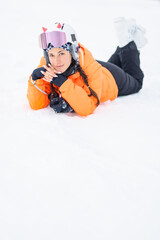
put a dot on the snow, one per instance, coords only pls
(63, 176)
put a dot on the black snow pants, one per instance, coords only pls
(124, 65)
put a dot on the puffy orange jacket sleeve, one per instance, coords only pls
(36, 98)
(78, 98)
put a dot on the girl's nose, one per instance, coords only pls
(57, 60)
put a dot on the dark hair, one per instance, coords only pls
(53, 93)
(85, 79)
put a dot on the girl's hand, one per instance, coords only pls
(50, 73)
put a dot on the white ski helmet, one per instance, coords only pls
(60, 35)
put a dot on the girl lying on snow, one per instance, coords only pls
(70, 79)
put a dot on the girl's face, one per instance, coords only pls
(60, 59)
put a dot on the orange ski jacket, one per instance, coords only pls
(74, 90)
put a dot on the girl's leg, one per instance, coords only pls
(115, 58)
(124, 65)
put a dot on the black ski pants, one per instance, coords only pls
(124, 65)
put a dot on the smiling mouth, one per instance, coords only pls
(59, 66)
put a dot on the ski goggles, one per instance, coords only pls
(56, 38)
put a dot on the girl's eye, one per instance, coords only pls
(51, 55)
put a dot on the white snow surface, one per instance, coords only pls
(63, 176)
